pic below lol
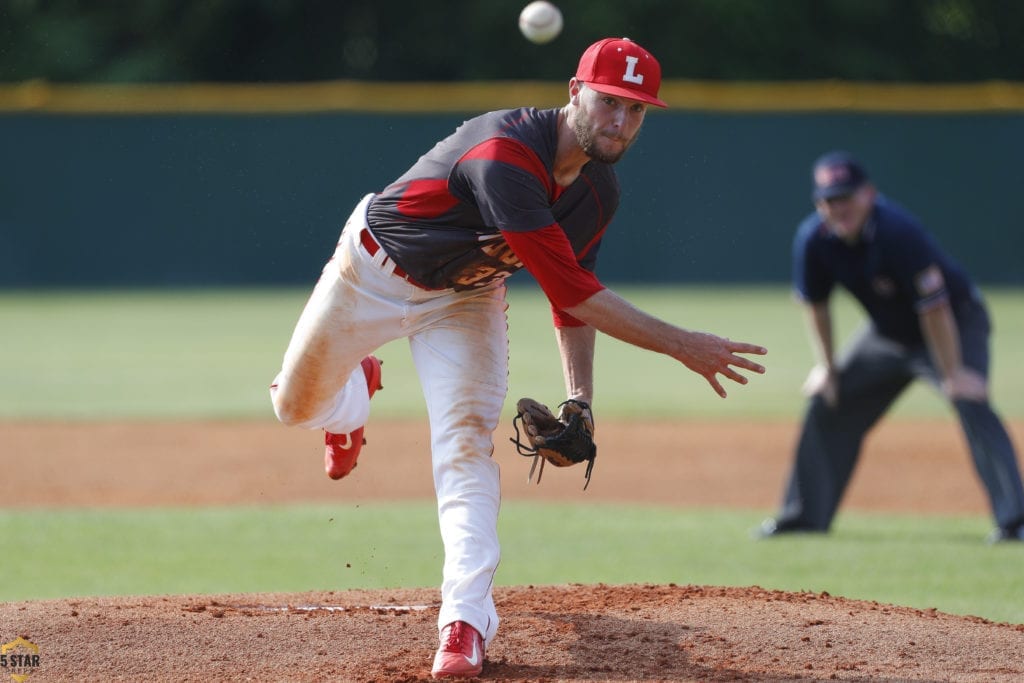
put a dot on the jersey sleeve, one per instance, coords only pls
(547, 254)
(915, 263)
(563, 319)
(812, 280)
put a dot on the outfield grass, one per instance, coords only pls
(202, 355)
(112, 355)
(935, 562)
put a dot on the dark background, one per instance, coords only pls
(403, 40)
(199, 199)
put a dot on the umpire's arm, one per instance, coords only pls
(938, 326)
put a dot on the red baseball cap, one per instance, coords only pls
(618, 66)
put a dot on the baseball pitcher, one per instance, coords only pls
(426, 259)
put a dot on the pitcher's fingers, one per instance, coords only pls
(713, 381)
(747, 364)
(743, 347)
(734, 376)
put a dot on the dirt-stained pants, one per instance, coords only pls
(459, 344)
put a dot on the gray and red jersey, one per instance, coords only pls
(483, 204)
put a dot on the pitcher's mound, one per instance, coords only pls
(548, 633)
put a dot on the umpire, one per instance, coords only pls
(926, 320)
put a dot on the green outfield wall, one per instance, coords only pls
(220, 185)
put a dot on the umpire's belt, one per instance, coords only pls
(372, 247)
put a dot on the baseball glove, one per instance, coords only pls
(563, 441)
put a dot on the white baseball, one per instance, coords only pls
(540, 22)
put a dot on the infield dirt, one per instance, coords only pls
(548, 633)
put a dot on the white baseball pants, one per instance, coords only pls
(459, 344)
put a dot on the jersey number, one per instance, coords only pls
(502, 262)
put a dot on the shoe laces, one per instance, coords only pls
(457, 634)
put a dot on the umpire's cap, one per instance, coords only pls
(837, 174)
(618, 66)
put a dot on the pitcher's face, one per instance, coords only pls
(606, 125)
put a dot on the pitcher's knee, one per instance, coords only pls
(291, 412)
(290, 419)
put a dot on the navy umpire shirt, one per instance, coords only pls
(889, 270)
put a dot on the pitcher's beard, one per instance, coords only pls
(588, 143)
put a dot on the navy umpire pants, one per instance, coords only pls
(873, 372)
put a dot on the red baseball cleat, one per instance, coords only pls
(461, 654)
(342, 450)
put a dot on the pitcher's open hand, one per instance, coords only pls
(709, 356)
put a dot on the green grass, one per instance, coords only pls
(110, 355)
(202, 355)
(935, 562)
(184, 354)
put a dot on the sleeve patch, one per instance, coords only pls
(929, 282)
